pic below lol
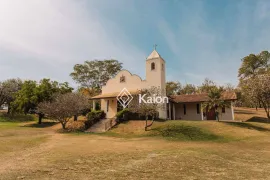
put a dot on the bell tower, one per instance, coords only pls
(156, 75)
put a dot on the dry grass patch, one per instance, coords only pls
(128, 152)
(250, 114)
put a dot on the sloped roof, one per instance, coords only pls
(185, 98)
(114, 94)
(154, 54)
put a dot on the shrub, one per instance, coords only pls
(75, 126)
(84, 112)
(93, 117)
(123, 115)
(4, 117)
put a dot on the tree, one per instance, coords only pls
(147, 109)
(95, 74)
(32, 93)
(63, 107)
(45, 91)
(188, 89)
(7, 90)
(229, 87)
(173, 88)
(215, 101)
(251, 67)
(206, 86)
(254, 64)
(258, 89)
(26, 98)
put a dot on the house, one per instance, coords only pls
(189, 107)
(126, 84)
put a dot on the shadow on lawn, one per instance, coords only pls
(258, 119)
(43, 125)
(243, 112)
(185, 132)
(247, 126)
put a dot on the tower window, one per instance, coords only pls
(162, 67)
(153, 66)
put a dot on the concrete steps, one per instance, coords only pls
(102, 126)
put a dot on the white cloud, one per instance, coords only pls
(51, 36)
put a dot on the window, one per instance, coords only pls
(108, 105)
(153, 66)
(198, 109)
(122, 79)
(162, 67)
(223, 109)
(185, 109)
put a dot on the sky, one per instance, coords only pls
(197, 38)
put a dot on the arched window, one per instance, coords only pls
(153, 66)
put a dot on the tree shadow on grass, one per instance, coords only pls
(258, 119)
(184, 132)
(247, 126)
(42, 125)
(243, 112)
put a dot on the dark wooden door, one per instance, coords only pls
(211, 115)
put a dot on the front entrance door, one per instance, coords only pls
(211, 115)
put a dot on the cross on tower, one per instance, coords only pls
(155, 46)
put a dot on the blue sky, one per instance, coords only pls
(197, 38)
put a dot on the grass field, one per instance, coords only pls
(171, 150)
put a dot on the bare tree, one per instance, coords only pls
(258, 89)
(64, 107)
(145, 104)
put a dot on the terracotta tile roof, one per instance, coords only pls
(200, 97)
(114, 94)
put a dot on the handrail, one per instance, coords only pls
(109, 124)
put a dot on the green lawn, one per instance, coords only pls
(171, 150)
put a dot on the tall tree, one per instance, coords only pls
(7, 90)
(173, 88)
(258, 89)
(188, 89)
(254, 64)
(206, 86)
(95, 74)
(32, 93)
(25, 98)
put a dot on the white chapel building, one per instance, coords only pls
(186, 107)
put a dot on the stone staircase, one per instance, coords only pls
(102, 126)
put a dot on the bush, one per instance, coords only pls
(126, 114)
(84, 112)
(4, 117)
(75, 126)
(93, 117)
(123, 115)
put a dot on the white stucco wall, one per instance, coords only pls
(112, 110)
(229, 113)
(191, 111)
(133, 82)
